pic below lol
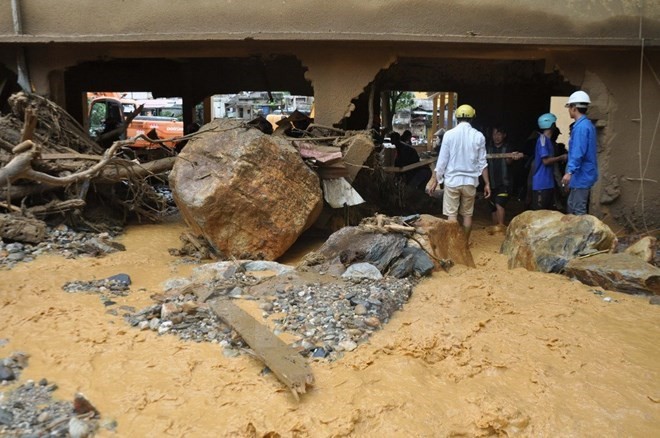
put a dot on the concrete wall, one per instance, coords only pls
(583, 22)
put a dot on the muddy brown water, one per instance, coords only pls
(475, 352)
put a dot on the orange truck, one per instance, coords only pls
(159, 119)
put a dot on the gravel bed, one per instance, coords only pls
(59, 240)
(29, 410)
(327, 319)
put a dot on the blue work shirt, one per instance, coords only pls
(582, 164)
(543, 177)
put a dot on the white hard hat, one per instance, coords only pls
(580, 99)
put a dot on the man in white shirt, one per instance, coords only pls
(462, 159)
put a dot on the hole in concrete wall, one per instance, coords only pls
(193, 79)
(503, 92)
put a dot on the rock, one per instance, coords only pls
(360, 309)
(125, 279)
(423, 264)
(175, 284)
(644, 248)
(546, 240)
(6, 417)
(444, 239)
(165, 327)
(249, 194)
(319, 353)
(347, 345)
(218, 270)
(44, 417)
(189, 307)
(402, 267)
(82, 406)
(351, 244)
(154, 323)
(268, 307)
(362, 270)
(655, 300)
(143, 325)
(6, 373)
(621, 272)
(79, 428)
(236, 292)
(372, 321)
(261, 265)
(169, 309)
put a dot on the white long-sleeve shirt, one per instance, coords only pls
(462, 156)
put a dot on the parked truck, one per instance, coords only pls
(158, 119)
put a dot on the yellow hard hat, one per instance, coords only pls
(465, 112)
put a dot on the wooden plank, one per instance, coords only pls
(505, 155)
(421, 163)
(285, 362)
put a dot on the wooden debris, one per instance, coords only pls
(285, 362)
(322, 154)
(21, 229)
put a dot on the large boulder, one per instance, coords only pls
(621, 272)
(546, 240)
(249, 194)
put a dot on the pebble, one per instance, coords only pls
(347, 345)
(79, 428)
(655, 300)
(154, 324)
(6, 373)
(360, 309)
(165, 327)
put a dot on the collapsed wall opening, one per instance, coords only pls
(509, 92)
(192, 79)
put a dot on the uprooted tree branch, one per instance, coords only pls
(49, 165)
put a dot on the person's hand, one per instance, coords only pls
(431, 186)
(487, 191)
(564, 157)
(517, 155)
(566, 179)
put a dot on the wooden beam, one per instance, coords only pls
(285, 362)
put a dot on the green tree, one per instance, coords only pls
(393, 101)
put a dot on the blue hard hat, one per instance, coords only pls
(547, 120)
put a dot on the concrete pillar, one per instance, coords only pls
(338, 76)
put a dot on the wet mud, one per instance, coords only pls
(475, 352)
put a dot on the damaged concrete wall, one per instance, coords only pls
(627, 115)
(583, 22)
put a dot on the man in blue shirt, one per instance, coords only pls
(582, 168)
(543, 175)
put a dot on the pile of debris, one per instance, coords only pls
(331, 303)
(30, 410)
(51, 170)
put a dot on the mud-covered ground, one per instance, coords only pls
(474, 352)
